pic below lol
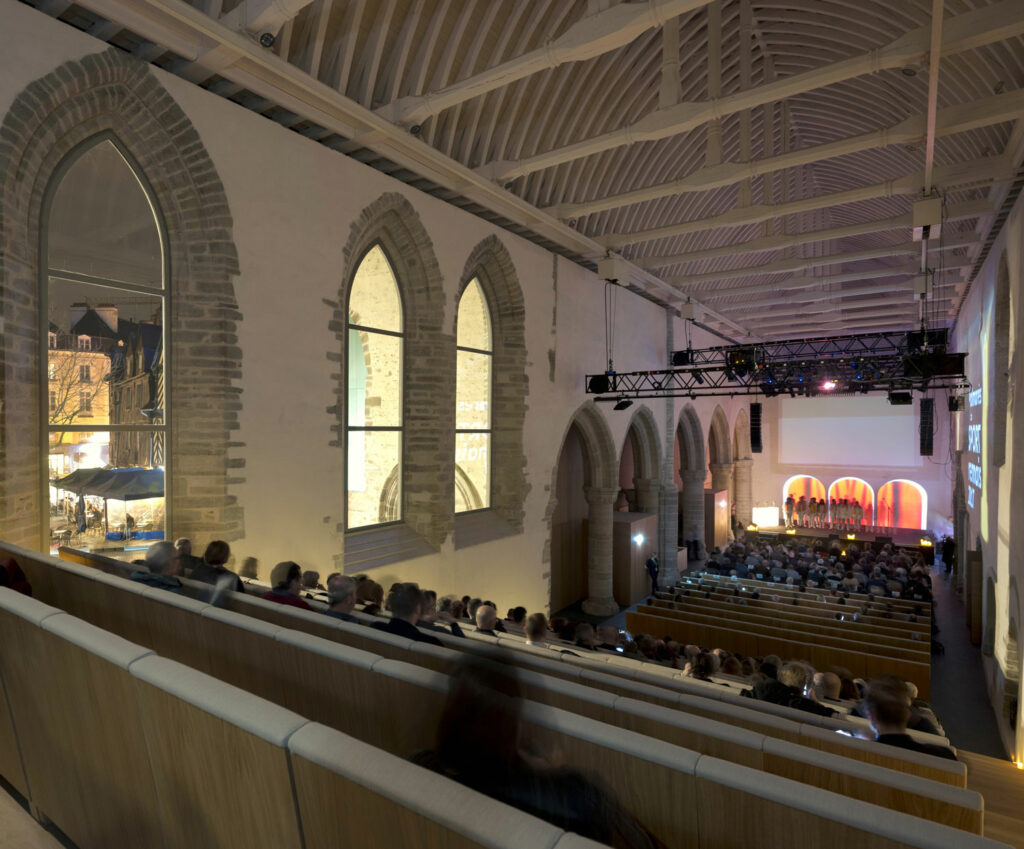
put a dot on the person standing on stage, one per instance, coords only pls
(812, 511)
(833, 516)
(790, 509)
(801, 510)
(858, 514)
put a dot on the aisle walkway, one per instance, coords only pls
(958, 695)
(18, 830)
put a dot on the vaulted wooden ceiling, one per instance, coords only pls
(760, 157)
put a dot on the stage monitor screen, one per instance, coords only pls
(855, 431)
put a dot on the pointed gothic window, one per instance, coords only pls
(473, 401)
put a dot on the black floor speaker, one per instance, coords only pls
(755, 428)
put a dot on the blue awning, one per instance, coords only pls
(118, 484)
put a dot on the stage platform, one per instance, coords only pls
(902, 537)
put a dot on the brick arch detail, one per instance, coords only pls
(111, 93)
(429, 360)
(491, 264)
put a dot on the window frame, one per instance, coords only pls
(490, 393)
(346, 428)
(45, 274)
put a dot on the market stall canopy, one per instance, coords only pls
(120, 484)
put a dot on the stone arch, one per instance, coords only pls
(719, 443)
(692, 470)
(112, 93)
(491, 264)
(1001, 377)
(599, 484)
(641, 475)
(429, 362)
(690, 436)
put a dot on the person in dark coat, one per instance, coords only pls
(12, 576)
(652, 570)
(212, 569)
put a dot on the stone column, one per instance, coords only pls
(721, 477)
(600, 599)
(693, 504)
(744, 497)
(668, 533)
(648, 491)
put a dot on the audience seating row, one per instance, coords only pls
(805, 613)
(608, 671)
(590, 738)
(923, 609)
(120, 747)
(652, 620)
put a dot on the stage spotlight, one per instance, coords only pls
(599, 384)
(730, 374)
(682, 358)
(751, 527)
(623, 403)
(828, 385)
(698, 376)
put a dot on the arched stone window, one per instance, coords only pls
(374, 419)
(103, 297)
(473, 378)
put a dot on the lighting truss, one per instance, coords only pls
(859, 363)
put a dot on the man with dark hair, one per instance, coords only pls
(406, 604)
(652, 572)
(788, 689)
(286, 580)
(189, 562)
(211, 570)
(537, 630)
(888, 713)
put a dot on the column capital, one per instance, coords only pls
(597, 495)
(692, 475)
(743, 463)
(719, 468)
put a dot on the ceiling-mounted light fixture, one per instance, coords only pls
(622, 404)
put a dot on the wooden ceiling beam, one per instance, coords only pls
(964, 32)
(985, 112)
(593, 35)
(975, 172)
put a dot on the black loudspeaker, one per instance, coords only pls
(927, 420)
(755, 428)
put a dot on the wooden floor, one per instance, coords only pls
(1002, 786)
(18, 830)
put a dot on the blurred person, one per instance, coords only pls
(431, 617)
(11, 575)
(486, 619)
(250, 569)
(311, 580)
(162, 567)
(286, 584)
(212, 570)
(515, 620)
(537, 630)
(826, 685)
(482, 743)
(789, 689)
(406, 603)
(188, 561)
(341, 595)
(888, 713)
(370, 594)
(699, 667)
(585, 637)
(608, 638)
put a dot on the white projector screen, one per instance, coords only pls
(861, 430)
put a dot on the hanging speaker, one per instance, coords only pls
(755, 428)
(927, 421)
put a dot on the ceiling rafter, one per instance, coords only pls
(592, 36)
(951, 120)
(991, 169)
(964, 32)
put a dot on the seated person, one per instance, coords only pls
(369, 594)
(788, 690)
(537, 630)
(608, 638)
(486, 619)
(311, 580)
(888, 713)
(585, 636)
(406, 604)
(211, 569)
(515, 620)
(250, 570)
(341, 593)
(188, 561)
(431, 618)
(12, 576)
(826, 685)
(163, 565)
(286, 580)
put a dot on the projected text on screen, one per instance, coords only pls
(974, 475)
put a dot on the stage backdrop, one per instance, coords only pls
(803, 485)
(855, 489)
(902, 504)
